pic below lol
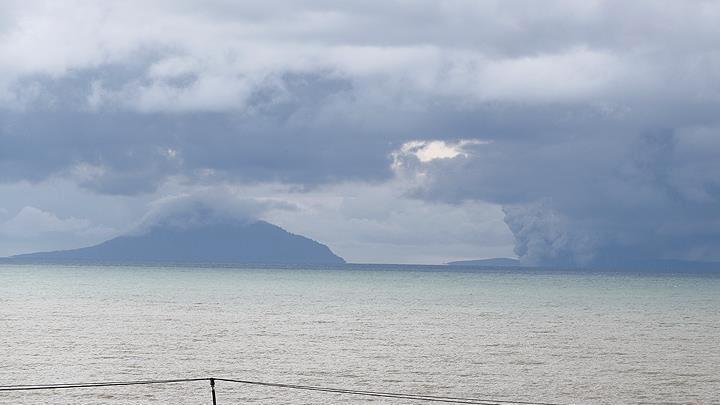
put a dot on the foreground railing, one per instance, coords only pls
(212, 381)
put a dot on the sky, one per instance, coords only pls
(559, 132)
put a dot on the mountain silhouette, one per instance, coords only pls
(232, 241)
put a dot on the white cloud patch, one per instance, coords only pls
(426, 151)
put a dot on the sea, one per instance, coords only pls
(551, 336)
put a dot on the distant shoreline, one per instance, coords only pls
(709, 268)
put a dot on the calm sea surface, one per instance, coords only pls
(537, 336)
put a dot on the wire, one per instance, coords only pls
(445, 399)
(32, 387)
(417, 397)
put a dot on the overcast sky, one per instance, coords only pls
(392, 131)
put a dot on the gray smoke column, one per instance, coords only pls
(545, 237)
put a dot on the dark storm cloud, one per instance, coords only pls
(599, 118)
(598, 200)
(122, 152)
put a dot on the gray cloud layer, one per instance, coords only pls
(600, 117)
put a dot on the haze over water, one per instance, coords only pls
(526, 335)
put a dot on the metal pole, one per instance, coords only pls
(212, 387)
